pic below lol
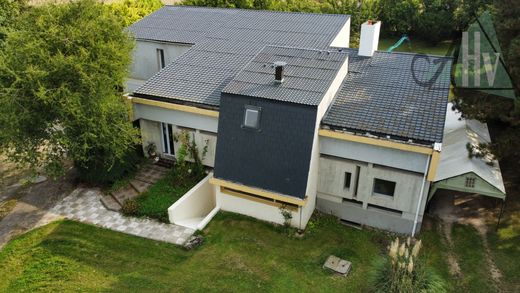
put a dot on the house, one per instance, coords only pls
(291, 116)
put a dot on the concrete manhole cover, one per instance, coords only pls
(338, 265)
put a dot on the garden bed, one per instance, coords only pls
(155, 202)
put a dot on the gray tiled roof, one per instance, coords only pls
(225, 40)
(308, 74)
(380, 96)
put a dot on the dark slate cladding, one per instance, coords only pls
(274, 158)
(224, 40)
(381, 96)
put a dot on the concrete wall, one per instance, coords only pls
(366, 207)
(342, 39)
(145, 63)
(258, 210)
(312, 181)
(184, 119)
(194, 206)
(414, 162)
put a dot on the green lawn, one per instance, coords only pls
(239, 254)
(415, 46)
(471, 257)
(154, 203)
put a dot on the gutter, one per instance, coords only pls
(436, 148)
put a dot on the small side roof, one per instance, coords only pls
(454, 156)
(308, 74)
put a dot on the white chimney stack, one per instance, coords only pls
(369, 38)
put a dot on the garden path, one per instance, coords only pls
(84, 205)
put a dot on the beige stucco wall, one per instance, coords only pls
(150, 133)
(191, 209)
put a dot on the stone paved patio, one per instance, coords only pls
(84, 205)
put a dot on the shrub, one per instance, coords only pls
(402, 271)
(97, 173)
(130, 207)
(286, 214)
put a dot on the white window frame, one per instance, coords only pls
(252, 108)
(167, 149)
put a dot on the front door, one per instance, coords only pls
(167, 138)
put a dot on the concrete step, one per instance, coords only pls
(140, 186)
(159, 168)
(149, 175)
(124, 194)
(166, 163)
(110, 203)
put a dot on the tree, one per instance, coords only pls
(9, 11)
(436, 20)
(131, 11)
(62, 71)
(503, 112)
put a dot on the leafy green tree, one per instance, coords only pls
(9, 11)
(436, 20)
(62, 71)
(400, 16)
(131, 11)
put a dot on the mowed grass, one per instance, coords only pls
(239, 254)
(154, 203)
(470, 253)
(415, 46)
(505, 248)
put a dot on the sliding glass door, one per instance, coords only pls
(167, 138)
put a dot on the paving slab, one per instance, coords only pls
(84, 205)
(149, 174)
(140, 186)
(110, 203)
(125, 193)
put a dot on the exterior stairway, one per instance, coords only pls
(146, 177)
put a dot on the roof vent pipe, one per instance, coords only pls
(369, 38)
(279, 67)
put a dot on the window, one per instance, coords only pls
(470, 182)
(348, 178)
(252, 117)
(384, 187)
(160, 58)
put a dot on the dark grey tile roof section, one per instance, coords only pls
(225, 40)
(386, 95)
(308, 75)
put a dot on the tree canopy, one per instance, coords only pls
(62, 70)
(131, 11)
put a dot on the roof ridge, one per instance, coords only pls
(258, 10)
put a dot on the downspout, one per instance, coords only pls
(421, 195)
